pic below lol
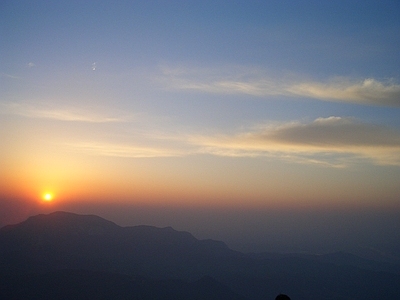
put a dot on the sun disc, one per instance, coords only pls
(47, 197)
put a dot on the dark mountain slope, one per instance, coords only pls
(81, 284)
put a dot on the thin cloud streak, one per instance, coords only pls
(9, 76)
(367, 91)
(332, 141)
(60, 114)
(125, 151)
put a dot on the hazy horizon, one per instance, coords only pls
(269, 125)
(305, 230)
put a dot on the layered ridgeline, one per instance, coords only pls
(65, 255)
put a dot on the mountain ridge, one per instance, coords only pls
(64, 241)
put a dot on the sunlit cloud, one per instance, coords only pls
(332, 141)
(31, 65)
(260, 84)
(61, 114)
(368, 91)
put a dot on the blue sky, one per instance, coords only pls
(235, 104)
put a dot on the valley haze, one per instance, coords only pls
(305, 230)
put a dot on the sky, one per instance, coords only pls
(270, 125)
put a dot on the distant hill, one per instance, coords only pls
(88, 253)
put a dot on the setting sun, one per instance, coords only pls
(47, 197)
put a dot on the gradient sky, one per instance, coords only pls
(244, 121)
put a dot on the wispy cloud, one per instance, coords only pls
(61, 114)
(9, 76)
(260, 84)
(123, 150)
(332, 141)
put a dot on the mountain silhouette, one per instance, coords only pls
(64, 240)
(61, 247)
